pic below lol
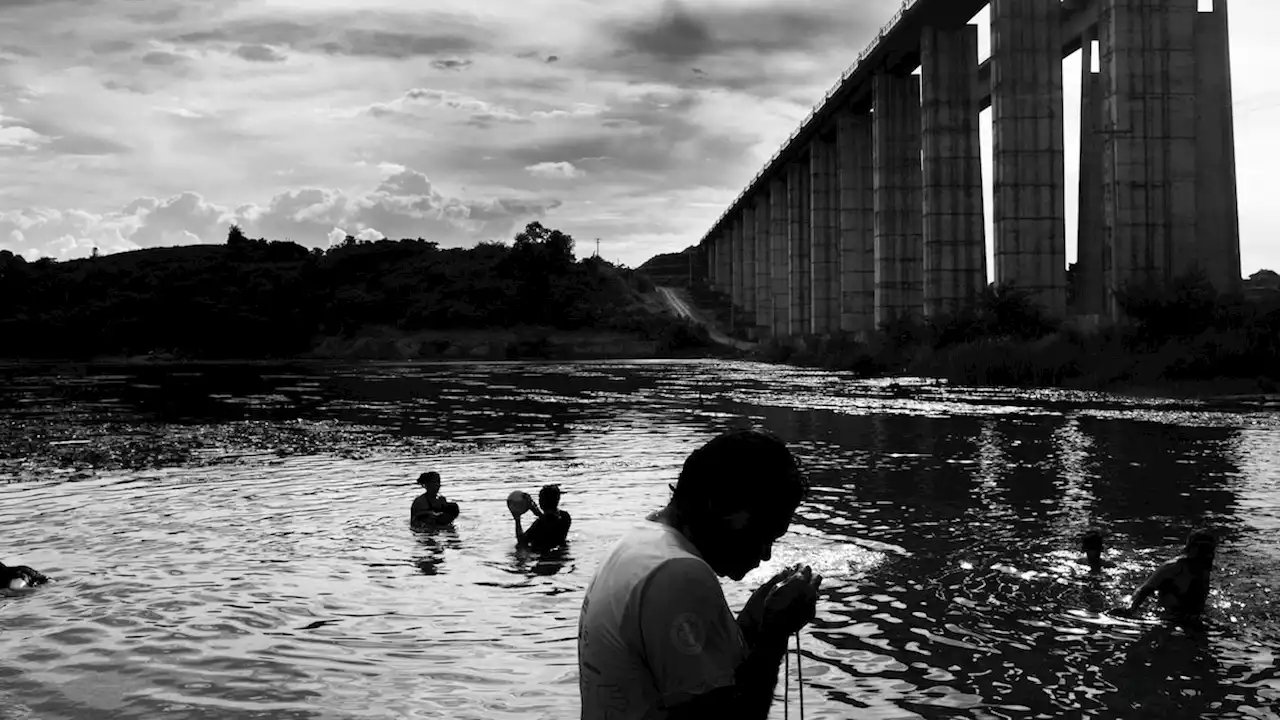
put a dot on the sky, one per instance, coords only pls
(146, 123)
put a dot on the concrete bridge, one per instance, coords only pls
(874, 208)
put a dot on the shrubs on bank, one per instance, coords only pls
(252, 298)
(1177, 332)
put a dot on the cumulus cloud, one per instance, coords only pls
(162, 58)
(258, 53)
(349, 34)
(553, 170)
(404, 204)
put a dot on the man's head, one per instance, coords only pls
(430, 481)
(735, 497)
(549, 498)
(1202, 546)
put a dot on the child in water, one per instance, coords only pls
(552, 526)
(1091, 544)
(431, 508)
(1182, 584)
(20, 576)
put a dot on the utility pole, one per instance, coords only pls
(597, 247)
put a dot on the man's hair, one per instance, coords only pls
(1092, 538)
(549, 495)
(1202, 536)
(752, 467)
(427, 477)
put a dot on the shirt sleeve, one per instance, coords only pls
(692, 643)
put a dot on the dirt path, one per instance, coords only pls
(677, 300)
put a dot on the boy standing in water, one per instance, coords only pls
(1182, 584)
(1091, 544)
(552, 526)
(431, 507)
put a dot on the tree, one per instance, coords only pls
(236, 237)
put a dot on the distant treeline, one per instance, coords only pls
(251, 298)
(1183, 331)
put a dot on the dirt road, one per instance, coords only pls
(676, 300)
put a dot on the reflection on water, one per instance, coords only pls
(234, 539)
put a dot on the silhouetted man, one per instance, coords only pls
(656, 638)
(1182, 584)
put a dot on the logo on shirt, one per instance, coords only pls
(688, 634)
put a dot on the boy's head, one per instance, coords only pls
(430, 481)
(549, 497)
(1091, 540)
(1202, 544)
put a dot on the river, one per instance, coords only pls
(233, 539)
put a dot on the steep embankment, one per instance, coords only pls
(677, 300)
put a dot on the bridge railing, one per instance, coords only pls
(815, 110)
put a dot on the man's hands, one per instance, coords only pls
(792, 604)
(783, 605)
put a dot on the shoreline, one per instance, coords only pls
(1232, 391)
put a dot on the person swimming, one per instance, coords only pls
(1091, 544)
(18, 577)
(1182, 584)
(551, 528)
(431, 509)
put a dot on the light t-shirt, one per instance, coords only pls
(654, 630)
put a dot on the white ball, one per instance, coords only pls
(17, 583)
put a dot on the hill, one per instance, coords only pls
(252, 298)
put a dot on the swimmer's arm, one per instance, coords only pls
(520, 533)
(1158, 577)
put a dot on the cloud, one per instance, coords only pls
(161, 58)
(552, 58)
(554, 170)
(450, 64)
(21, 137)
(479, 112)
(348, 34)
(404, 204)
(258, 53)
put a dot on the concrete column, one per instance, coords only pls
(1217, 208)
(823, 226)
(735, 249)
(899, 245)
(748, 214)
(798, 244)
(1149, 180)
(708, 248)
(1030, 177)
(779, 255)
(857, 223)
(955, 257)
(1091, 266)
(764, 298)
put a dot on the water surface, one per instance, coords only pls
(233, 540)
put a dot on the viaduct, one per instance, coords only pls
(873, 209)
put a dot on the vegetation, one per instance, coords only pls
(251, 298)
(1178, 333)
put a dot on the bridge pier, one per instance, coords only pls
(748, 240)
(764, 295)
(1030, 177)
(779, 254)
(955, 257)
(1092, 264)
(899, 249)
(824, 247)
(856, 171)
(1217, 202)
(799, 244)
